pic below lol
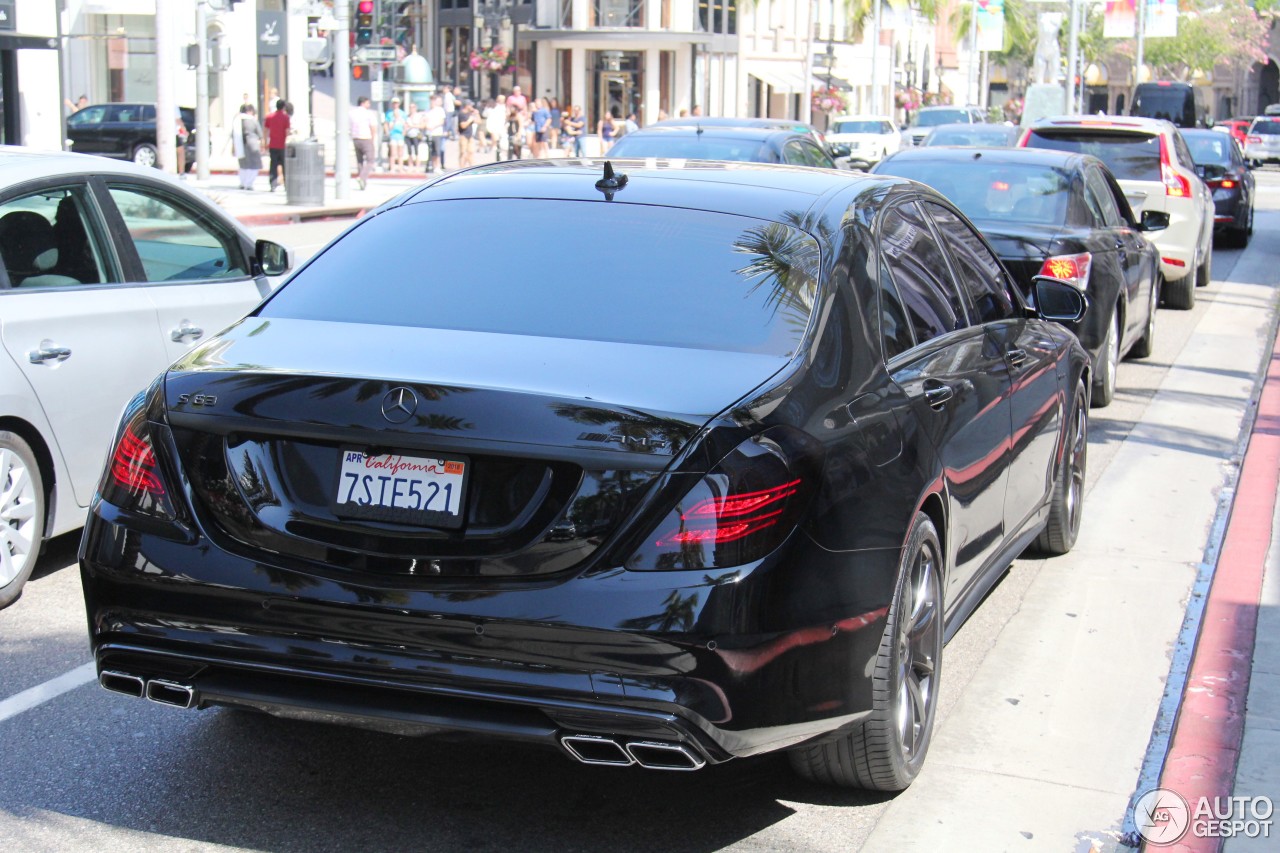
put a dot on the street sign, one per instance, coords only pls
(380, 91)
(376, 53)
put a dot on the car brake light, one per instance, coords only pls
(1227, 183)
(742, 510)
(1253, 140)
(1175, 185)
(133, 480)
(1073, 269)
(1000, 186)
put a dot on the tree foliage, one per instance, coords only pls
(1210, 32)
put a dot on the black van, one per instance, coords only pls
(1181, 103)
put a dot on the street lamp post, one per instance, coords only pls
(910, 68)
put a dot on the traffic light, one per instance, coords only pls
(364, 22)
(359, 72)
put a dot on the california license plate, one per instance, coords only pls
(393, 487)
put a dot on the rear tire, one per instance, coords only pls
(886, 751)
(1204, 272)
(1147, 343)
(1066, 505)
(21, 515)
(1181, 294)
(1108, 363)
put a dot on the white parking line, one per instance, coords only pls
(41, 693)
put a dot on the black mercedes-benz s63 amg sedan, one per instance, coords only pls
(710, 465)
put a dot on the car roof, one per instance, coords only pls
(861, 117)
(762, 190)
(1139, 123)
(729, 121)
(718, 132)
(958, 154)
(20, 164)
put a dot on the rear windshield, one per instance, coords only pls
(972, 135)
(1265, 128)
(860, 127)
(1016, 193)
(1210, 149)
(1129, 156)
(933, 118)
(596, 271)
(1168, 103)
(692, 147)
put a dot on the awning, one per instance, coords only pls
(820, 82)
(781, 79)
(15, 41)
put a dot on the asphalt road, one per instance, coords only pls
(87, 769)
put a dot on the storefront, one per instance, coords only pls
(29, 101)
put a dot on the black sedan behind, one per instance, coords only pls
(725, 490)
(1064, 215)
(1220, 163)
(751, 144)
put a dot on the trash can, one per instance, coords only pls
(304, 172)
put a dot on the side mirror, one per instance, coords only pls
(1058, 301)
(1200, 170)
(1153, 220)
(272, 258)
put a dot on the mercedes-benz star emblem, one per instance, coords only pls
(399, 404)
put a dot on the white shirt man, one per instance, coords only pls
(434, 123)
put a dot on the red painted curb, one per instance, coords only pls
(1205, 747)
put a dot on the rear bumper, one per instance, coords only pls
(1177, 244)
(729, 663)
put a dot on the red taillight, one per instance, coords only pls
(133, 465)
(1227, 184)
(740, 511)
(1253, 140)
(1174, 184)
(1073, 269)
(133, 480)
(1000, 186)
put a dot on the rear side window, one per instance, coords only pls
(47, 240)
(1129, 156)
(915, 262)
(600, 271)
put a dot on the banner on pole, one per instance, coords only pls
(1162, 19)
(990, 19)
(1119, 21)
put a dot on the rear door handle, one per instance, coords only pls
(938, 394)
(49, 351)
(1016, 356)
(185, 329)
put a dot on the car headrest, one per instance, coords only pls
(27, 244)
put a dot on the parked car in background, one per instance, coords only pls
(1061, 215)
(724, 498)
(1151, 161)
(927, 118)
(750, 144)
(863, 140)
(1229, 178)
(1262, 141)
(728, 121)
(1182, 104)
(125, 132)
(973, 135)
(109, 272)
(1238, 128)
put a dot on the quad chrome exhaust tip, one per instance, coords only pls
(170, 693)
(651, 755)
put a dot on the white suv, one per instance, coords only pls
(863, 140)
(1151, 161)
(1262, 141)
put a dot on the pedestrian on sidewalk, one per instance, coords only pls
(413, 133)
(394, 124)
(450, 104)
(607, 130)
(518, 100)
(435, 124)
(557, 121)
(468, 126)
(515, 133)
(541, 124)
(575, 125)
(181, 148)
(364, 124)
(495, 125)
(246, 141)
(277, 125)
(630, 125)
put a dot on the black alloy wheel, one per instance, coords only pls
(1145, 345)
(1108, 363)
(886, 752)
(1066, 505)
